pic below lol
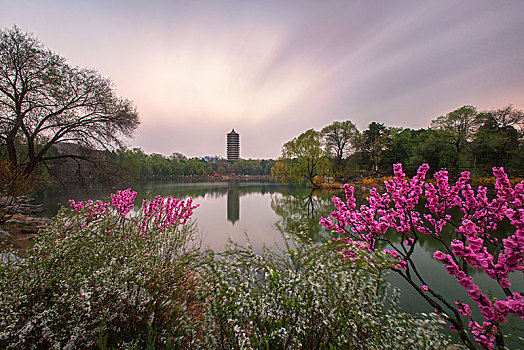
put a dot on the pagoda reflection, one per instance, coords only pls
(233, 205)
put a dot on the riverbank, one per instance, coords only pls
(19, 229)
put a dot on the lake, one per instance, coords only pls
(264, 212)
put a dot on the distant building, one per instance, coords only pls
(233, 145)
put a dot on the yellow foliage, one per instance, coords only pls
(375, 182)
(483, 181)
(515, 181)
(386, 178)
(490, 181)
(318, 180)
(368, 181)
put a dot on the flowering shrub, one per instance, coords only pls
(99, 277)
(306, 297)
(475, 218)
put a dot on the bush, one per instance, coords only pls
(306, 297)
(97, 279)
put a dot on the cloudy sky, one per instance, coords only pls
(273, 69)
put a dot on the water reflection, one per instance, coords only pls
(300, 211)
(233, 205)
(269, 210)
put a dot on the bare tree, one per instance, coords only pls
(504, 117)
(44, 101)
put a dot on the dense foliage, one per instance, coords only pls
(139, 165)
(471, 218)
(134, 164)
(303, 157)
(463, 139)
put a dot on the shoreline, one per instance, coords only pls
(19, 229)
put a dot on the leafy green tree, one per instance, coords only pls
(176, 156)
(132, 163)
(266, 165)
(45, 102)
(196, 166)
(431, 148)
(304, 156)
(373, 144)
(458, 128)
(401, 144)
(178, 168)
(279, 170)
(412, 148)
(160, 165)
(247, 167)
(340, 138)
(497, 140)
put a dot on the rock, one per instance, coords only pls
(20, 205)
(28, 224)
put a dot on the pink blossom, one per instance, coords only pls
(464, 309)
(163, 213)
(122, 201)
(394, 212)
(158, 214)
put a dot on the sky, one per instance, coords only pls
(274, 69)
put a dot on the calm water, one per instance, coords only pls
(264, 212)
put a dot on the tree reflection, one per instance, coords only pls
(300, 212)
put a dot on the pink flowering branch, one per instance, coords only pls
(122, 201)
(474, 246)
(158, 214)
(163, 213)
